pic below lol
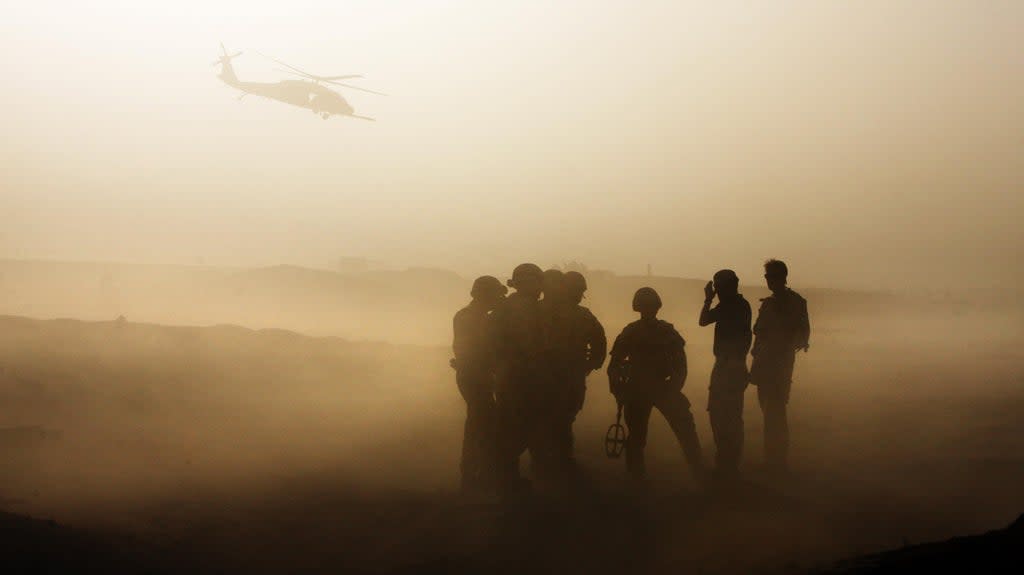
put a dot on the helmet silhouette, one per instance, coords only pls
(523, 271)
(575, 282)
(485, 286)
(646, 298)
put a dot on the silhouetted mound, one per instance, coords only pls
(30, 545)
(997, 551)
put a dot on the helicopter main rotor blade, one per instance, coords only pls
(315, 79)
(357, 88)
(289, 66)
(327, 79)
(299, 74)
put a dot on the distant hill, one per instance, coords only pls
(407, 306)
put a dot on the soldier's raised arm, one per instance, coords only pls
(708, 315)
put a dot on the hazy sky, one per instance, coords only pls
(867, 143)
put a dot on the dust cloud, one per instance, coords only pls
(906, 421)
(225, 323)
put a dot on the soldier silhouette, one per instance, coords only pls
(545, 461)
(647, 370)
(782, 328)
(576, 346)
(587, 347)
(474, 363)
(523, 377)
(729, 375)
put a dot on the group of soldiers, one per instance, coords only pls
(522, 360)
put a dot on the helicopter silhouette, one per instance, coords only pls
(311, 93)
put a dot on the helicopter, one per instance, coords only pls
(310, 93)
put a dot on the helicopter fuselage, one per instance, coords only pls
(304, 94)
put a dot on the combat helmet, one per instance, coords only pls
(487, 286)
(575, 282)
(523, 271)
(646, 298)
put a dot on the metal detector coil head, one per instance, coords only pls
(615, 439)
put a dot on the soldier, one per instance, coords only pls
(782, 328)
(575, 345)
(585, 351)
(522, 375)
(474, 365)
(729, 375)
(545, 461)
(647, 369)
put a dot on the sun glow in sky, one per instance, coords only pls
(867, 143)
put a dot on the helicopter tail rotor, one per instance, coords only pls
(225, 57)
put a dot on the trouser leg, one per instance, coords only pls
(725, 410)
(469, 465)
(676, 409)
(478, 440)
(773, 376)
(479, 443)
(773, 400)
(559, 443)
(637, 415)
(776, 432)
(511, 441)
(543, 420)
(577, 393)
(551, 444)
(726, 416)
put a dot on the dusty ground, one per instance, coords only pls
(163, 449)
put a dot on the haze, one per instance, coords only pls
(226, 326)
(872, 144)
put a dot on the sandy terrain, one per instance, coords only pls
(226, 449)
